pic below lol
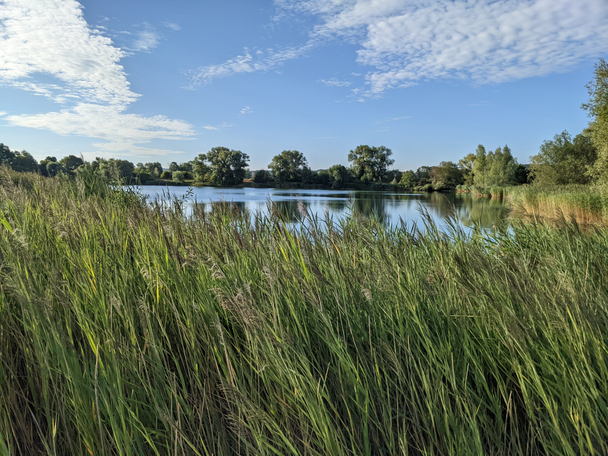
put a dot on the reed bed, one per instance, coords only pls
(586, 204)
(129, 329)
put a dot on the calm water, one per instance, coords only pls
(390, 206)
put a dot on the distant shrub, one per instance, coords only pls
(144, 177)
(166, 175)
(179, 176)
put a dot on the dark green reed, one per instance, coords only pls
(129, 329)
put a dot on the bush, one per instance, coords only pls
(179, 176)
(144, 177)
(166, 175)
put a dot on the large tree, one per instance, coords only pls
(501, 168)
(24, 162)
(71, 163)
(338, 176)
(6, 155)
(288, 166)
(564, 160)
(466, 166)
(480, 167)
(408, 179)
(370, 164)
(446, 175)
(597, 107)
(221, 166)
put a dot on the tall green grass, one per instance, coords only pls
(129, 329)
(586, 204)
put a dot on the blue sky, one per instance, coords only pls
(164, 81)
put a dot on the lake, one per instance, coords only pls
(390, 206)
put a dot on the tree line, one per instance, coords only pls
(560, 161)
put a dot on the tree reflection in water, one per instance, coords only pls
(389, 207)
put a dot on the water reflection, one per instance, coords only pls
(390, 207)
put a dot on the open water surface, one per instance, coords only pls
(392, 207)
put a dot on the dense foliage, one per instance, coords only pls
(130, 329)
(597, 107)
(564, 160)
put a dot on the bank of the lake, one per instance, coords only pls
(130, 328)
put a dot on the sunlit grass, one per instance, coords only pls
(130, 329)
(585, 204)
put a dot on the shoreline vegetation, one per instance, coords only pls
(129, 328)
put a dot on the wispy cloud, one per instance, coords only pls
(52, 38)
(172, 26)
(405, 41)
(2, 113)
(146, 39)
(261, 61)
(488, 41)
(246, 110)
(333, 82)
(217, 127)
(394, 119)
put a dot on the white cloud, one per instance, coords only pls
(172, 26)
(2, 113)
(217, 127)
(394, 119)
(121, 131)
(246, 63)
(488, 41)
(333, 82)
(246, 110)
(51, 37)
(147, 39)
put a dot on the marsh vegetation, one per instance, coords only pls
(132, 329)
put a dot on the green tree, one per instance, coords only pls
(597, 108)
(466, 166)
(221, 166)
(501, 167)
(202, 171)
(480, 166)
(408, 179)
(185, 166)
(262, 177)
(370, 164)
(167, 174)
(179, 176)
(6, 156)
(563, 160)
(446, 175)
(54, 168)
(23, 162)
(423, 175)
(71, 163)
(522, 174)
(154, 168)
(288, 166)
(42, 166)
(339, 176)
